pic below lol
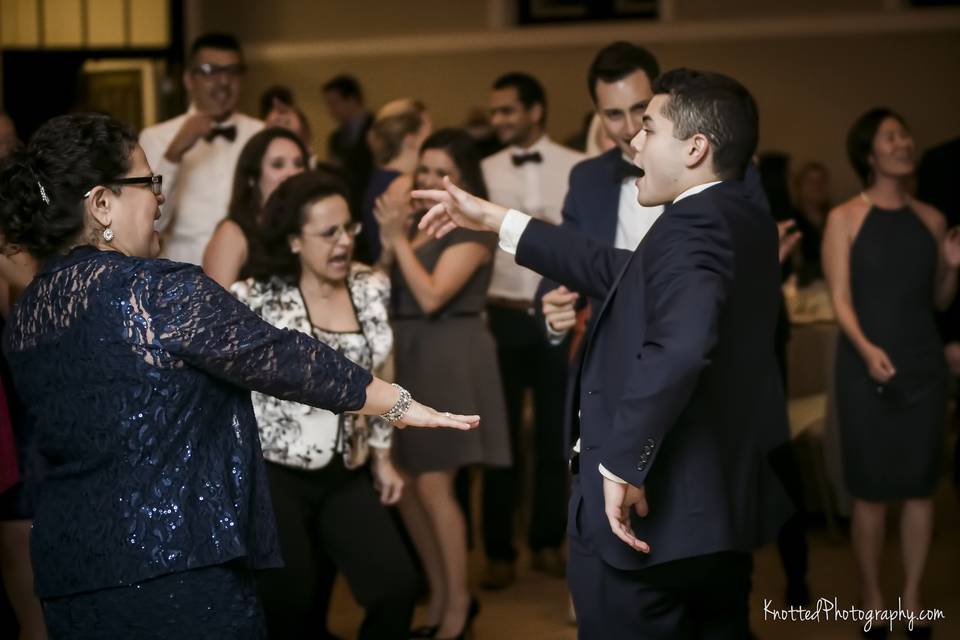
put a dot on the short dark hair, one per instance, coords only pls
(462, 149)
(529, 90)
(716, 106)
(860, 140)
(276, 93)
(213, 40)
(245, 200)
(618, 60)
(346, 85)
(284, 215)
(42, 185)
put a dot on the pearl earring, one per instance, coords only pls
(108, 234)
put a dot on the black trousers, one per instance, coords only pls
(700, 598)
(527, 362)
(792, 539)
(335, 513)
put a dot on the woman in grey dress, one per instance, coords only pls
(889, 261)
(444, 351)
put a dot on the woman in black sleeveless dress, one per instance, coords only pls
(890, 262)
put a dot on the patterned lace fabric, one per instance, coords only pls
(137, 375)
(305, 437)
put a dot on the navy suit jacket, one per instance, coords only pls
(592, 207)
(678, 388)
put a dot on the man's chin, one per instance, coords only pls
(648, 199)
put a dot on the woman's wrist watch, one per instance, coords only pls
(400, 408)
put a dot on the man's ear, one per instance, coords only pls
(536, 113)
(698, 150)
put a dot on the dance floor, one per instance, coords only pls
(535, 608)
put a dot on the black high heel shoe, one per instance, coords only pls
(472, 613)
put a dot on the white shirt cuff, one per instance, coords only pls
(609, 476)
(513, 226)
(555, 337)
(603, 470)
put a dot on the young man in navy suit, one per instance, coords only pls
(679, 394)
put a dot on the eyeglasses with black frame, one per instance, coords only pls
(332, 234)
(154, 182)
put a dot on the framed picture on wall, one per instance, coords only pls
(546, 11)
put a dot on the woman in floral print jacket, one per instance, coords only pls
(326, 508)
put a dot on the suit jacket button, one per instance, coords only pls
(651, 441)
(641, 466)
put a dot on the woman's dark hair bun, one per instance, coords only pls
(42, 185)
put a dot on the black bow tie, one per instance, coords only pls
(523, 158)
(626, 170)
(228, 132)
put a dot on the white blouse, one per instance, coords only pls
(305, 437)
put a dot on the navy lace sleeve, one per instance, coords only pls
(190, 317)
(136, 374)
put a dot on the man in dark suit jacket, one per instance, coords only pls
(679, 393)
(347, 146)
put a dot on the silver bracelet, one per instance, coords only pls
(399, 410)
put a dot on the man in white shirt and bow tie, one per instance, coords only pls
(196, 152)
(531, 174)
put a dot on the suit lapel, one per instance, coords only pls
(616, 284)
(606, 303)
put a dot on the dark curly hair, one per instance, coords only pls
(284, 215)
(42, 185)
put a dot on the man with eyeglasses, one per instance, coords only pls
(197, 151)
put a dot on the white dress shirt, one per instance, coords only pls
(515, 223)
(197, 189)
(537, 188)
(633, 219)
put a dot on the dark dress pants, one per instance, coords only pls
(699, 598)
(335, 514)
(527, 361)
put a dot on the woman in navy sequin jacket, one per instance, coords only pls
(138, 373)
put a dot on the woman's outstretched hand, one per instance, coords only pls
(384, 398)
(453, 207)
(420, 415)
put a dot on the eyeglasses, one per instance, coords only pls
(154, 182)
(207, 70)
(351, 229)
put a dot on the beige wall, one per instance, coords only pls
(809, 88)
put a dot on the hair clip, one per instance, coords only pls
(43, 193)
